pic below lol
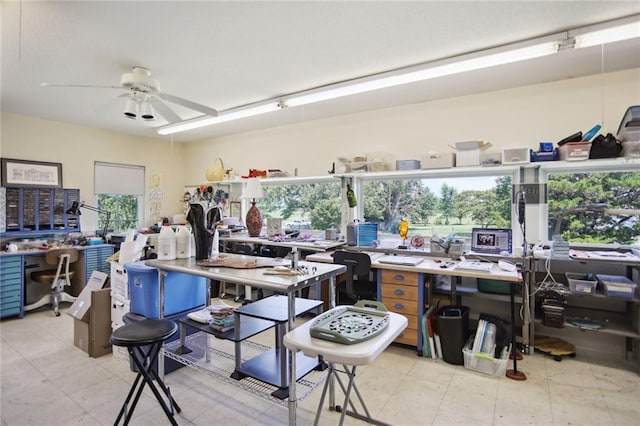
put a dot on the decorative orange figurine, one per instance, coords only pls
(403, 230)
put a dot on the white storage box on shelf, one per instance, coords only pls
(574, 151)
(438, 160)
(631, 148)
(119, 280)
(485, 362)
(468, 153)
(515, 156)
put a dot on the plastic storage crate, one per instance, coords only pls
(486, 285)
(617, 286)
(574, 151)
(581, 283)
(182, 292)
(484, 362)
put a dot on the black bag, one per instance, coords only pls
(605, 147)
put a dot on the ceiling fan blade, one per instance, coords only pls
(165, 111)
(79, 85)
(188, 104)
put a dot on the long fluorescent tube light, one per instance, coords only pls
(608, 35)
(480, 62)
(198, 122)
(627, 30)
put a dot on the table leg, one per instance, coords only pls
(292, 403)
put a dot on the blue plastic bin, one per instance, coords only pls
(182, 292)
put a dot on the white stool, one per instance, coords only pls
(350, 356)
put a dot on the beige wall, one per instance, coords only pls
(520, 117)
(77, 148)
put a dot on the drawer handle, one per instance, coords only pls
(400, 277)
(398, 292)
(399, 306)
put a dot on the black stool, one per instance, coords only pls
(144, 339)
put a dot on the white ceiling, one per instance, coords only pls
(227, 54)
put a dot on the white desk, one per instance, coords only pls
(350, 356)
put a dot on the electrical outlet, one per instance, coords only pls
(533, 193)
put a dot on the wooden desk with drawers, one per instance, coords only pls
(406, 289)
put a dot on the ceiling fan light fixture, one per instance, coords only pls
(131, 109)
(146, 111)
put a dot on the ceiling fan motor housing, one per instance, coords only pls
(140, 80)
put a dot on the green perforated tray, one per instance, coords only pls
(351, 324)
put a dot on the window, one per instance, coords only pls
(119, 188)
(615, 189)
(308, 207)
(438, 206)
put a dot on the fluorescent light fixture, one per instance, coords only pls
(608, 35)
(472, 64)
(206, 120)
(625, 29)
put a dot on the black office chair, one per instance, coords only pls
(358, 285)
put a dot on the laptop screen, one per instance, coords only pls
(491, 240)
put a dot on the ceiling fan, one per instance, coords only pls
(144, 97)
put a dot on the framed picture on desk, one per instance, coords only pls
(25, 173)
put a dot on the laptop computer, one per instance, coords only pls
(491, 240)
(401, 260)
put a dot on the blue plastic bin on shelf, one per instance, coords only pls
(182, 292)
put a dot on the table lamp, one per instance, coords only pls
(75, 211)
(253, 221)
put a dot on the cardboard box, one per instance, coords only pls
(80, 307)
(438, 160)
(92, 317)
(469, 156)
(94, 335)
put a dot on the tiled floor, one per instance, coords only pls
(46, 380)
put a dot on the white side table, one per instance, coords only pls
(350, 356)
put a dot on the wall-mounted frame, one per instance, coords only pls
(26, 173)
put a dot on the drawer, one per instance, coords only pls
(395, 291)
(401, 306)
(12, 275)
(408, 336)
(10, 288)
(399, 277)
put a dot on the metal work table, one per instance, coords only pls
(281, 284)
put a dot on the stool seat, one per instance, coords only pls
(48, 276)
(144, 332)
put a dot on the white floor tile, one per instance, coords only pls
(46, 380)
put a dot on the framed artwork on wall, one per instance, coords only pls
(26, 173)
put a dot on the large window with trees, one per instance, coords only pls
(308, 207)
(438, 206)
(616, 189)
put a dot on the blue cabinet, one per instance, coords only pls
(11, 286)
(95, 259)
(39, 210)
